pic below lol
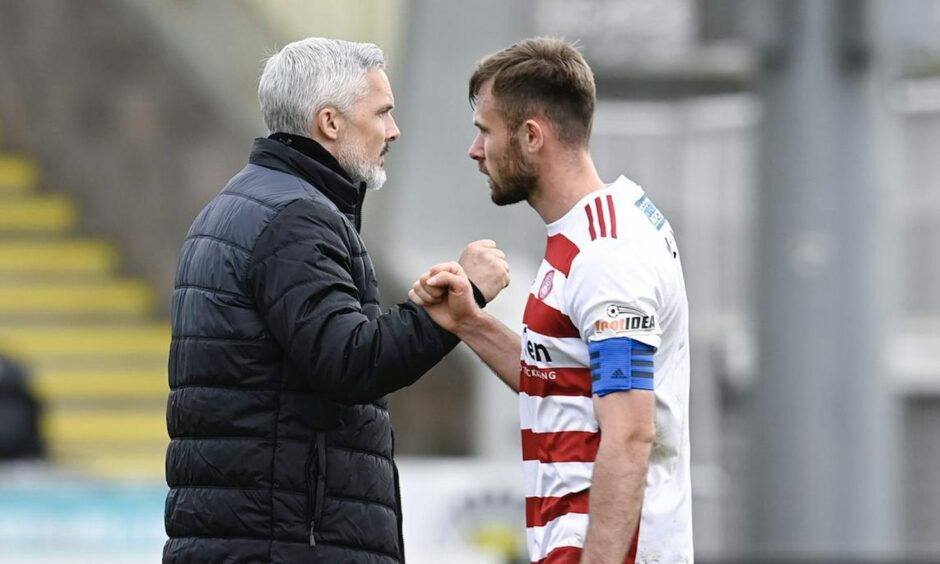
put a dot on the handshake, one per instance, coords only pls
(445, 292)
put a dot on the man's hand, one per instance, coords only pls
(445, 293)
(486, 265)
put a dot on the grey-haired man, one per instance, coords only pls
(281, 357)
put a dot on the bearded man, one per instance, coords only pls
(602, 366)
(281, 358)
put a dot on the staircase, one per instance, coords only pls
(88, 334)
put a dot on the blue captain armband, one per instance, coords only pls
(619, 364)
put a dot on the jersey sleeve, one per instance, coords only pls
(613, 291)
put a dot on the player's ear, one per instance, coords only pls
(533, 136)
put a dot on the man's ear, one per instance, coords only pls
(533, 136)
(327, 124)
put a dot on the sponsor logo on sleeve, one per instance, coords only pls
(650, 211)
(622, 319)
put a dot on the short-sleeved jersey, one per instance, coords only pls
(611, 270)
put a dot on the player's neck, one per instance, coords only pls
(562, 183)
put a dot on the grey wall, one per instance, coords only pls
(436, 201)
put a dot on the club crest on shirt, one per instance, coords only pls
(546, 288)
(622, 319)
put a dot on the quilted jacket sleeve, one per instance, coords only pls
(301, 279)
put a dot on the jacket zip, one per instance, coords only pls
(318, 484)
(357, 217)
(398, 513)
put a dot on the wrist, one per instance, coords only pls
(478, 296)
(469, 324)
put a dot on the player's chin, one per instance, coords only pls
(506, 196)
(500, 197)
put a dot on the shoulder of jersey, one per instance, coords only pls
(621, 212)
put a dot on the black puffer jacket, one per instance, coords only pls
(281, 445)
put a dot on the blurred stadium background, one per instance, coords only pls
(120, 119)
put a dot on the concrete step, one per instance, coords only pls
(84, 344)
(57, 386)
(47, 213)
(109, 441)
(111, 364)
(101, 426)
(60, 257)
(18, 174)
(67, 299)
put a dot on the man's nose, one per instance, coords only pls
(476, 149)
(393, 133)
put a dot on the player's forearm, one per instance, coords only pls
(496, 345)
(616, 499)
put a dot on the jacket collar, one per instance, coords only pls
(308, 160)
(312, 149)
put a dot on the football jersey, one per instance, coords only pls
(611, 270)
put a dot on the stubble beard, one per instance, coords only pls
(517, 178)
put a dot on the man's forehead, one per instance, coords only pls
(378, 82)
(482, 117)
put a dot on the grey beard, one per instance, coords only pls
(376, 178)
(358, 167)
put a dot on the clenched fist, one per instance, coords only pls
(444, 292)
(485, 265)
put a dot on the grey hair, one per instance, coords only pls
(308, 75)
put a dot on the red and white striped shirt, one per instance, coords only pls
(611, 269)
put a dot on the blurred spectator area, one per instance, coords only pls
(84, 329)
